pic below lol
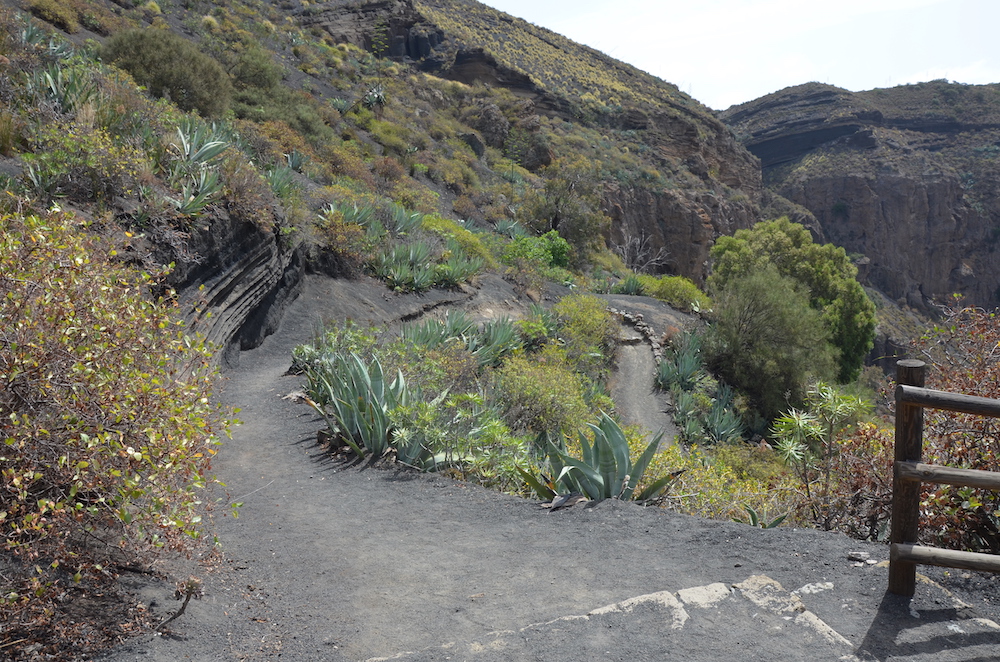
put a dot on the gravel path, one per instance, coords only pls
(335, 562)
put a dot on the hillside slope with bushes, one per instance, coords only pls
(200, 159)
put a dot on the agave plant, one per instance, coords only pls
(457, 269)
(355, 400)
(198, 193)
(68, 88)
(510, 229)
(296, 160)
(403, 221)
(755, 520)
(432, 333)
(496, 339)
(282, 181)
(606, 470)
(198, 147)
(722, 424)
(630, 285)
(682, 365)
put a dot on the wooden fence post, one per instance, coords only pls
(906, 494)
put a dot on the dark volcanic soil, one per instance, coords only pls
(329, 561)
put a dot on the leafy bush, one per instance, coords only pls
(721, 481)
(541, 393)
(678, 291)
(963, 346)
(83, 163)
(538, 328)
(548, 250)
(170, 65)
(105, 415)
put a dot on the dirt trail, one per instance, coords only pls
(334, 562)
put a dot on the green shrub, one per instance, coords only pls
(767, 341)
(106, 415)
(549, 250)
(541, 393)
(678, 291)
(170, 65)
(56, 13)
(255, 68)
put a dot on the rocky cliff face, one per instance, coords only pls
(907, 177)
(237, 286)
(720, 193)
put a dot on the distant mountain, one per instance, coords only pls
(908, 177)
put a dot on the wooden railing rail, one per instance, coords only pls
(909, 472)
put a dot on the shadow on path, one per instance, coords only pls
(938, 633)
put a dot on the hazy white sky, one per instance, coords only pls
(725, 52)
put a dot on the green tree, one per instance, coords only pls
(571, 205)
(171, 66)
(767, 341)
(824, 270)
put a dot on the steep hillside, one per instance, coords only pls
(691, 181)
(907, 177)
(445, 107)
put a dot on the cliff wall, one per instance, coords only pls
(907, 177)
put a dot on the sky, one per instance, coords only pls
(726, 52)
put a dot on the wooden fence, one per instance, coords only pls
(909, 472)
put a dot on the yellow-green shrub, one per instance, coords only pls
(106, 420)
(678, 291)
(56, 13)
(343, 244)
(449, 229)
(589, 332)
(541, 393)
(82, 162)
(719, 482)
